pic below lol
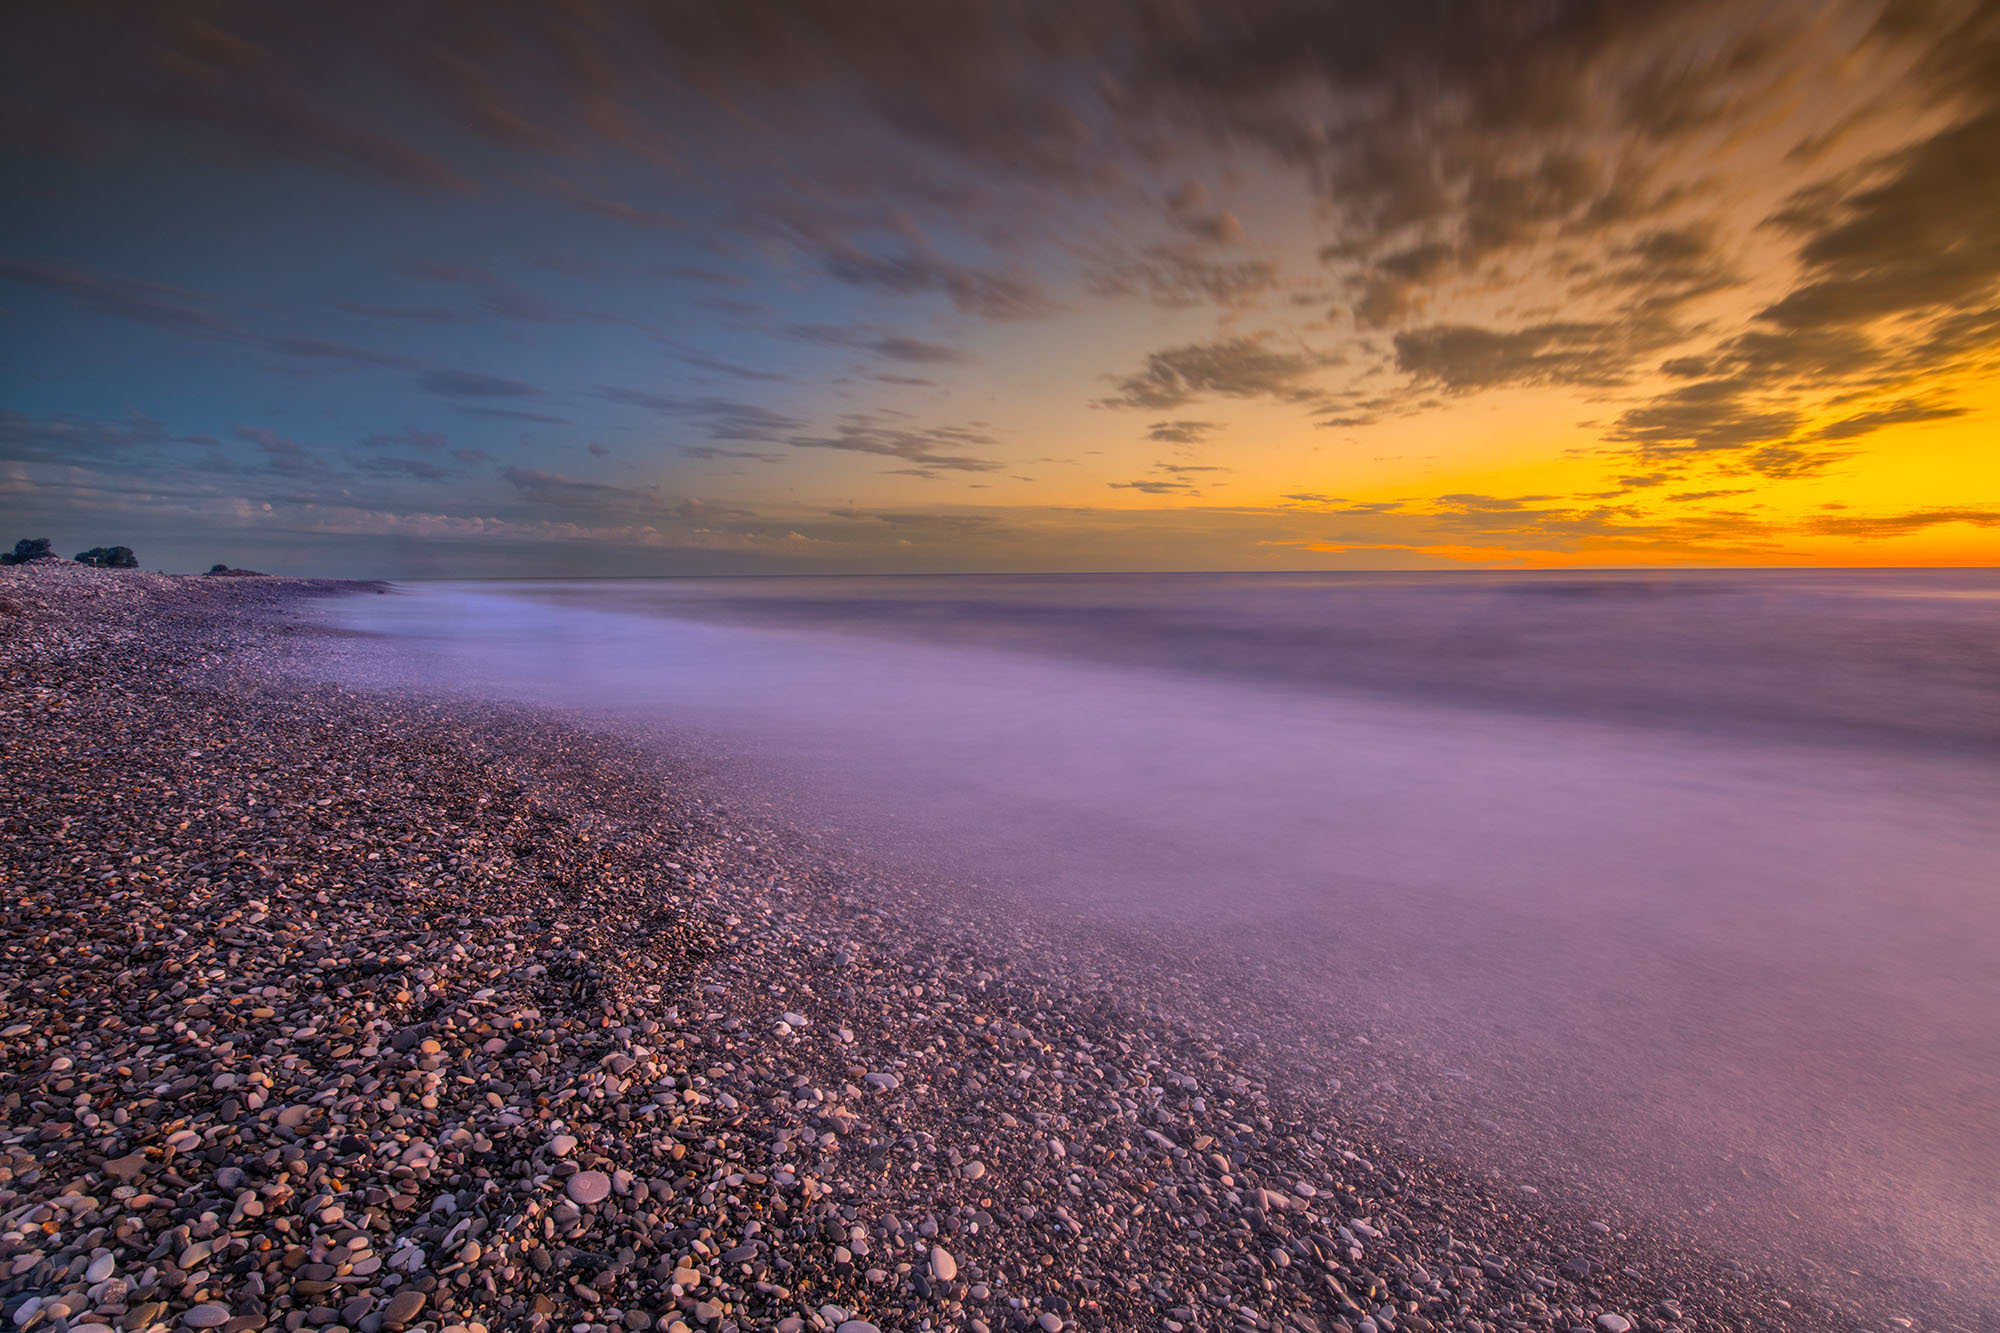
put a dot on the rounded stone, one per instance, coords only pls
(588, 1187)
(207, 1315)
(943, 1267)
(403, 1307)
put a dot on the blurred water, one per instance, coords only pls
(1688, 880)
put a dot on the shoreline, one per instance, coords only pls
(977, 1124)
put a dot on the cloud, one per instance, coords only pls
(408, 437)
(1239, 367)
(704, 362)
(923, 447)
(709, 451)
(1153, 487)
(1872, 527)
(286, 457)
(722, 418)
(1182, 432)
(1463, 357)
(429, 314)
(1690, 497)
(510, 414)
(419, 469)
(174, 308)
(473, 384)
(993, 294)
(907, 519)
(439, 270)
(552, 488)
(1705, 415)
(319, 349)
(893, 346)
(517, 304)
(1178, 276)
(1908, 410)
(1924, 238)
(62, 439)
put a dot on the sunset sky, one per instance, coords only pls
(490, 288)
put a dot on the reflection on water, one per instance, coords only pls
(1693, 874)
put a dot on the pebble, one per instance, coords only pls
(403, 1307)
(207, 1315)
(943, 1267)
(588, 1187)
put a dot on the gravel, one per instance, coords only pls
(323, 1010)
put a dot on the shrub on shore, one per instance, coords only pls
(108, 557)
(28, 548)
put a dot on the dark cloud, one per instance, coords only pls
(322, 350)
(510, 414)
(722, 418)
(516, 304)
(154, 303)
(1177, 276)
(1182, 432)
(1704, 416)
(61, 439)
(1926, 237)
(925, 448)
(419, 469)
(552, 488)
(1899, 276)
(1866, 527)
(990, 293)
(704, 362)
(430, 314)
(1463, 357)
(286, 457)
(1864, 423)
(1153, 487)
(1689, 497)
(867, 338)
(439, 270)
(1241, 367)
(916, 520)
(709, 451)
(409, 437)
(473, 384)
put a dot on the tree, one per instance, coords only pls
(108, 557)
(28, 548)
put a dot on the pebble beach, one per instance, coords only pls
(341, 1011)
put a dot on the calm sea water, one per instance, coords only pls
(1684, 887)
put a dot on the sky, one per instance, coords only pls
(482, 288)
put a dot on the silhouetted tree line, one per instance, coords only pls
(41, 548)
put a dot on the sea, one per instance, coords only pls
(1675, 895)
